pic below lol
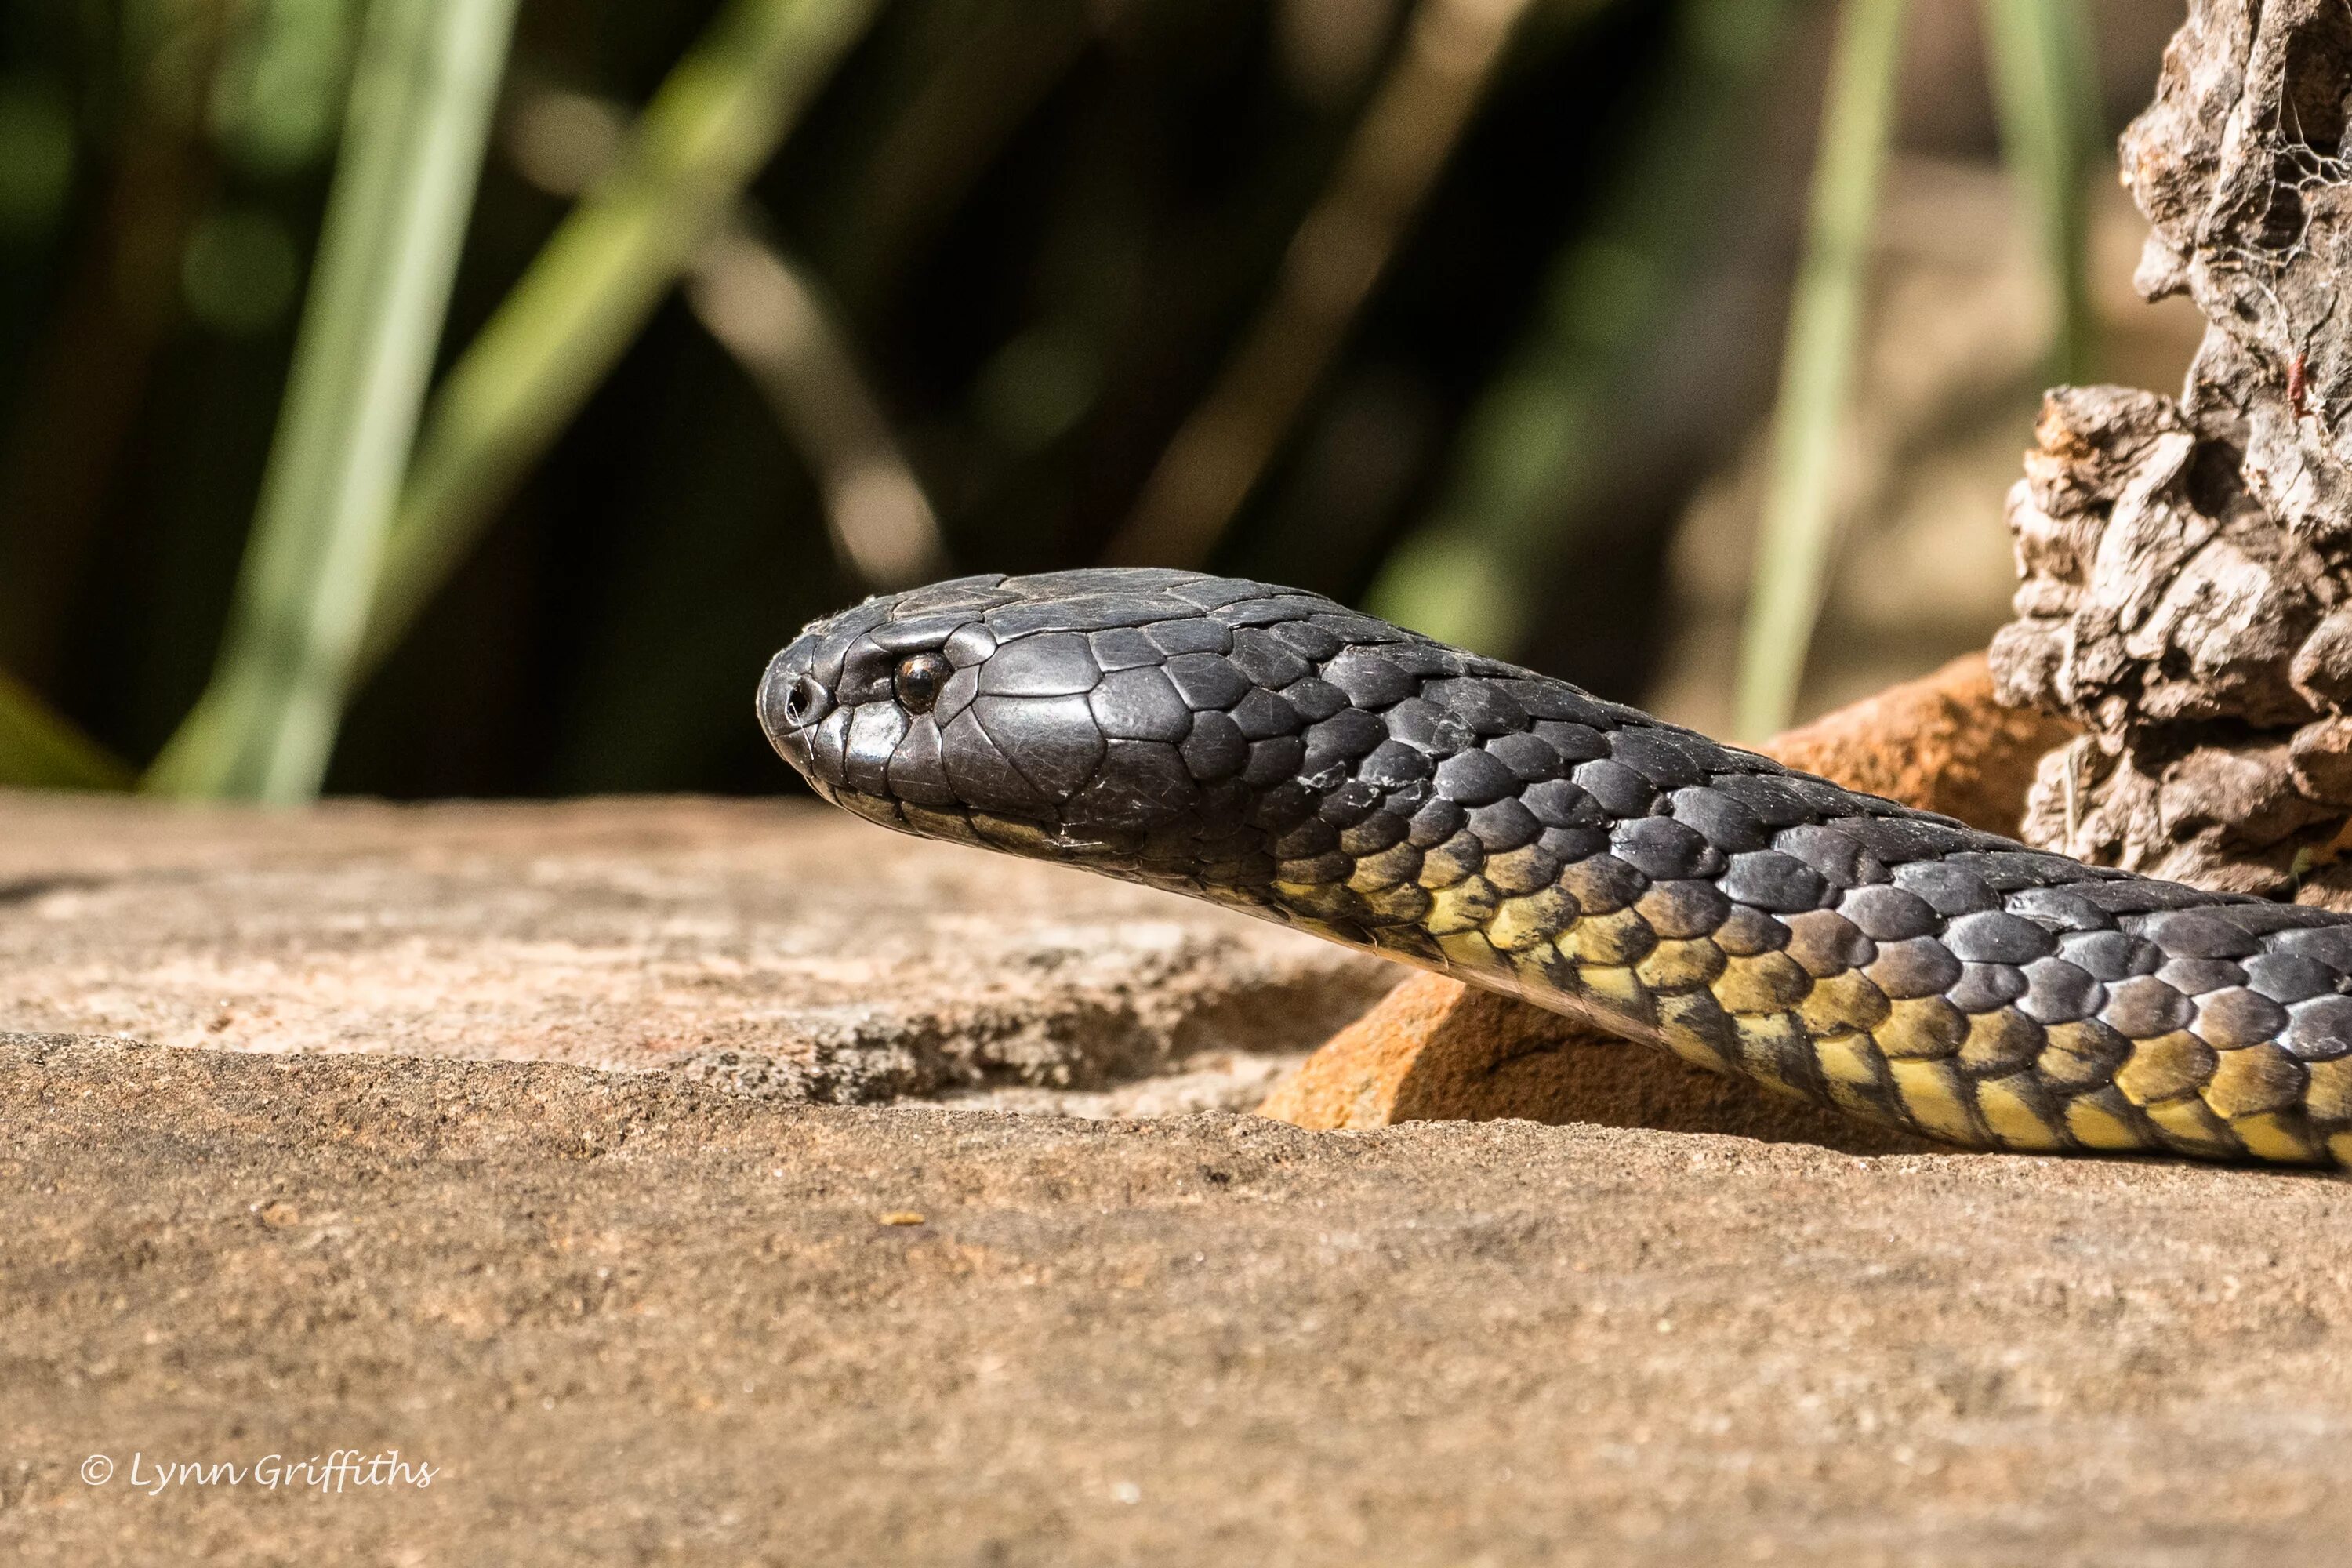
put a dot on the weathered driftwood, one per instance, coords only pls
(2186, 566)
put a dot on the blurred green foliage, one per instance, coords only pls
(41, 751)
(1473, 571)
(428, 73)
(1024, 243)
(1792, 548)
(2047, 94)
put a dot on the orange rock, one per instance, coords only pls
(1940, 743)
(1434, 1049)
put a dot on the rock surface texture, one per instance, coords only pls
(784, 949)
(631, 1319)
(2186, 566)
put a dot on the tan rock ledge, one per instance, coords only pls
(632, 1319)
(786, 948)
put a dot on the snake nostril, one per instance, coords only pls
(804, 701)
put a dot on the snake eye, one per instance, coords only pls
(919, 677)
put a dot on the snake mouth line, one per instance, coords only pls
(1037, 838)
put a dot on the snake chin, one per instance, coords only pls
(983, 830)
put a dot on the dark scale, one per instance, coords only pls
(1530, 758)
(1505, 824)
(1194, 635)
(1996, 936)
(1985, 987)
(1343, 739)
(1318, 700)
(1275, 761)
(2281, 976)
(1206, 680)
(1680, 910)
(1214, 747)
(1267, 663)
(1664, 849)
(1139, 705)
(1573, 743)
(2143, 1006)
(2111, 954)
(1621, 791)
(1263, 715)
(1369, 680)
(1889, 913)
(1840, 857)
(1313, 643)
(1475, 777)
(1770, 880)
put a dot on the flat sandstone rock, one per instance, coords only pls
(786, 948)
(684, 1314)
(632, 1319)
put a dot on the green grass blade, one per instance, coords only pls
(41, 749)
(427, 76)
(712, 125)
(769, 311)
(1473, 572)
(1817, 367)
(2047, 87)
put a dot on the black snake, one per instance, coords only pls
(1276, 751)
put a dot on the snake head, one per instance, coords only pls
(1166, 726)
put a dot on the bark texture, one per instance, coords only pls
(2185, 565)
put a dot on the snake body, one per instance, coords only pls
(1278, 752)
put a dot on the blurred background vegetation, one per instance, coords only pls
(430, 398)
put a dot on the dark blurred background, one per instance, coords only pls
(1036, 283)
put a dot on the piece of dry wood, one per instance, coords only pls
(2186, 566)
(1435, 1049)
